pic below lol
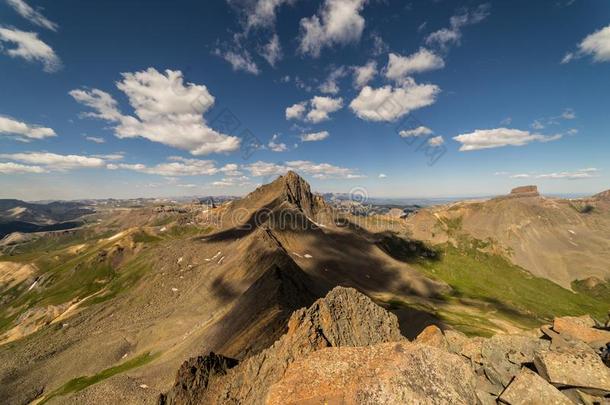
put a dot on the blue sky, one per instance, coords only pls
(402, 99)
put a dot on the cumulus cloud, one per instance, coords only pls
(315, 136)
(33, 16)
(275, 145)
(16, 168)
(23, 131)
(596, 45)
(338, 22)
(239, 60)
(321, 107)
(296, 111)
(399, 67)
(29, 47)
(316, 170)
(315, 110)
(167, 111)
(364, 74)
(419, 131)
(389, 103)
(272, 51)
(499, 137)
(436, 141)
(587, 173)
(54, 161)
(453, 34)
(382, 176)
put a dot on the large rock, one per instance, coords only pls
(388, 373)
(581, 328)
(344, 317)
(193, 378)
(529, 388)
(523, 191)
(573, 369)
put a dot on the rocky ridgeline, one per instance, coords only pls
(345, 349)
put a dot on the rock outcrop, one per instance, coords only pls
(344, 349)
(298, 192)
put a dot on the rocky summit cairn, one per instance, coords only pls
(344, 349)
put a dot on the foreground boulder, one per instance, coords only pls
(343, 318)
(388, 373)
(529, 388)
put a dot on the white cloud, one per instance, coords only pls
(275, 145)
(419, 131)
(96, 139)
(239, 60)
(506, 121)
(22, 130)
(30, 48)
(364, 74)
(167, 111)
(315, 136)
(382, 176)
(179, 166)
(495, 138)
(389, 103)
(338, 22)
(272, 51)
(258, 13)
(319, 109)
(587, 173)
(16, 168)
(399, 67)
(34, 16)
(53, 161)
(596, 45)
(296, 111)
(330, 86)
(453, 34)
(316, 170)
(436, 141)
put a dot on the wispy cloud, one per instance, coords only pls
(28, 46)
(33, 16)
(22, 130)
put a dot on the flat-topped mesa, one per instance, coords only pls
(525, 191)
(521, 192)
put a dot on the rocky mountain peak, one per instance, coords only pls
(297, 191)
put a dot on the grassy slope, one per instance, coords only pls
(514, 293)
(80, 383)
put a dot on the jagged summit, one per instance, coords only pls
(289, 190)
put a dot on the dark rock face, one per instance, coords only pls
(298, 192)
(193, 378)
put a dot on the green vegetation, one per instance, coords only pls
(80, 383)
(582, 208)
(597, 289)
(513, 292)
